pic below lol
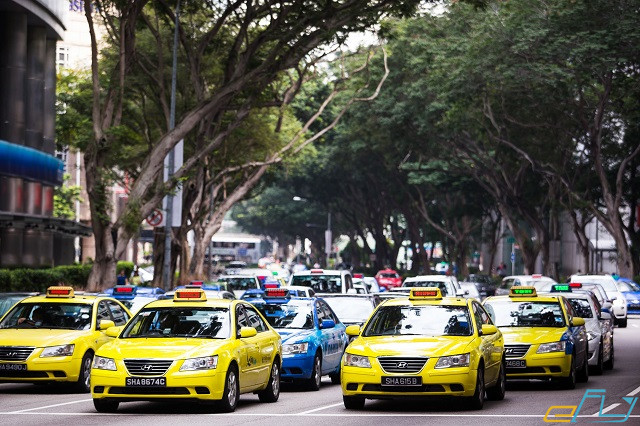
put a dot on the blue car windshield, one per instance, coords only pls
(293, 314)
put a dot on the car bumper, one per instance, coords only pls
(594, 351)
(555, 364)
(366, 382)
(201, 385)
(619, 311)
(296, 367)
(50, 369)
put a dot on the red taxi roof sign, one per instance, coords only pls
(522, 291)
(60, 291)
(575, 285)
(189, 295)
(276, 292)
(420, 293)
(317, 271)
(196, 283)
(536, 276)
(358, 275)
(123, 289)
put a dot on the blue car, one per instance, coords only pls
(631, 292)
(134, 297)
(313, 338)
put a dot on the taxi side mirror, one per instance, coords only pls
(246, 332)
(488, 329)
(577, 322)
(105, 324)
(605, 315)
(327, 323)
(113, 331)
(353, 330)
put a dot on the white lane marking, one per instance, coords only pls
(634, 325)
(633, 392)
(321, 408)
(606, 410)
(48, 406)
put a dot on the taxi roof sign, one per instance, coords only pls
(189, 295)
(522, 291)
(432, 293)
(125, 289)
(60, 291)
(536, 276)
(276, 292)
(575, 285)
(561, 288)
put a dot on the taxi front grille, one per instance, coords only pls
(515, 351)
(396, 364)
(147, 367)
(15, 353)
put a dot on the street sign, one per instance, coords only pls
(511, 240)
(155, 218)
(513, 257)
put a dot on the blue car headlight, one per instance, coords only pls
(295, 348)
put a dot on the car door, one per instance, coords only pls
(266, 344)
(248, 351)
(579, 335)
(103, 313)
(328, 338)
(489, 345)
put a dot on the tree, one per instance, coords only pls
(64, 199)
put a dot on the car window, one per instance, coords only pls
(329, 314)
(241, 319)
(254, 319)
(481, 316)
(104, 313)
(120, 316)
(581, 308)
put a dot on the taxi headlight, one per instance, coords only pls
(453, 361)
(295, 348)
(551, 347)
(202, 363)
(62, 350)
(102, 363)
(356, 361)
(592, 335)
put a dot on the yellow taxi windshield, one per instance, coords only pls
(519, 313)
(426, 320)
(67, 316)
(199, 322)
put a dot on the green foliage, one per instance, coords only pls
(23, 279)
(74, 275)
(64, 199)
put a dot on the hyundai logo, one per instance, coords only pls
(12, 354)
(146, 367)
(509, 351)
(402, 365)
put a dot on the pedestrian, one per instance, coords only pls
(136, 279)
(502, 270)
(122, 278)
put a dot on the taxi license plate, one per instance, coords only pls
(401, 381)
(12, 367)
(516, 363)
(143, 382)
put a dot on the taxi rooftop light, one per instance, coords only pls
(432, 293)
(125, 289)
(196, 283)
(522, 291)
(358, 275)
(276, 292)
(317, 271)
(575, 285)
(60, 291)
(561, 288)
(536, 276)
(189, 295)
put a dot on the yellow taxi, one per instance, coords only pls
(424, 346)
(53, 337)
(544, 339)
(191, 348)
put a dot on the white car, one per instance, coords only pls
(240, 283)
(470, 291)
(619, 308)
(448, 285)
(535, 280)
(323, 280)
(300, 291)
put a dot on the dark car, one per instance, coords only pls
(485, 284)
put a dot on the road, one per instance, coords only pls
(525, 403)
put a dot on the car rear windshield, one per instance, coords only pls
(211, 323)
(437, 284)
(389, 275)
(294, 314)
(513, 313)
(240, 283)
(351, 309)
(319, 283)
(428, 320)
(68, 316)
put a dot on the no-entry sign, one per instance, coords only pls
(155, 218)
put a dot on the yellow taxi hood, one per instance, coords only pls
(166, 348)
(39, 337)
(410, 345)
(532, 335)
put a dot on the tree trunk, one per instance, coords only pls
(103, 272)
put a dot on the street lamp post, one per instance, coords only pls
(328, 237)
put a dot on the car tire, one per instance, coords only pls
(583, 375)
(316, 374)
(599, 367)
(105, 405)
(335, 378)
(496, 393)
(353, 402)
(570, 381)
(231, 394)
(476, 402)
(608, 364)
(272, 392)
(622, 323)
(83, 384)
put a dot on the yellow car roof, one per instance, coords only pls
(539, 298)
(405, 301)
(89, 300)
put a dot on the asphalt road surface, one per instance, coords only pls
(526, 403)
